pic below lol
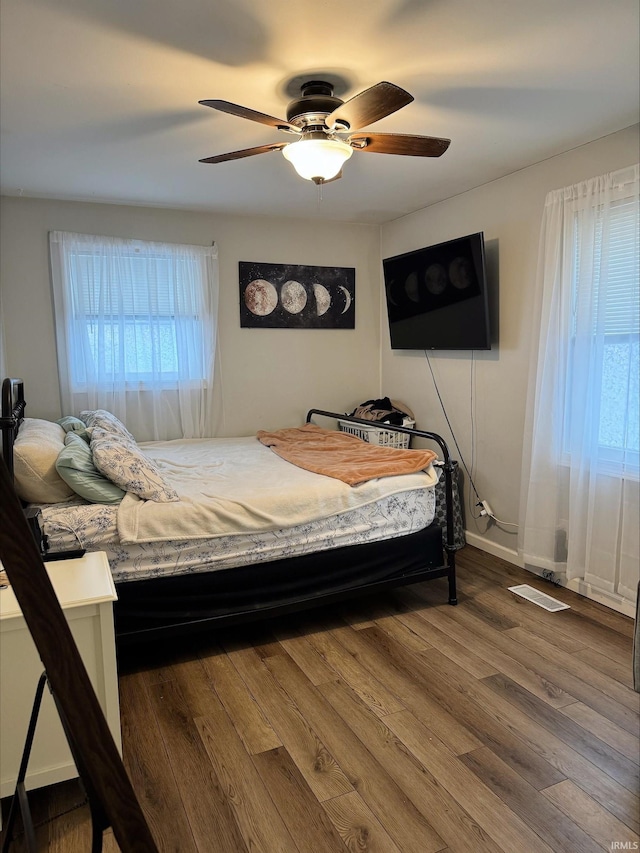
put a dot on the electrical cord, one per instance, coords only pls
(472, 405)
(455, 441)
(444, 411)
(500, 521)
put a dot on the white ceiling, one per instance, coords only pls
(99, 98)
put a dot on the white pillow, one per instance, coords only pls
(35, 453)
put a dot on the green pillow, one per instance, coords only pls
(71, 424)
(75, 466)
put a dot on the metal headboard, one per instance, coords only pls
(11, 416)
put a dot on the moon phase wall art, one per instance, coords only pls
(290, 296)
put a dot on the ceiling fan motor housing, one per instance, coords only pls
(315, 104)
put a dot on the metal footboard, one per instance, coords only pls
(447, 467)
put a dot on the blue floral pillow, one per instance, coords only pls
(106, 421)
(122, 461)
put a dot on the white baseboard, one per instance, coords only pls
(614, 602)
(483, 544)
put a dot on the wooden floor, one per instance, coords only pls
(396, 724)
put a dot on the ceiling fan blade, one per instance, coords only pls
(252, 115)
(371, 105)
(399, 143)
(246, 152)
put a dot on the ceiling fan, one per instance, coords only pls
(329, 129)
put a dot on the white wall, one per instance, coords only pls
(509, 212)
(270, 377)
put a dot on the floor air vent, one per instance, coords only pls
(539, 598)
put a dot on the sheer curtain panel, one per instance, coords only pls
(580, 484)
(136, 331)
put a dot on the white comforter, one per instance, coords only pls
(232, 486)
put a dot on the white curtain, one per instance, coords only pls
(580, 501)
(136, 331)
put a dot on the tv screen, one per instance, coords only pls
(437, 296)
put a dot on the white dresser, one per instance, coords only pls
(86, 593)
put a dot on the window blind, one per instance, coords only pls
(614, 287)
(130, 285)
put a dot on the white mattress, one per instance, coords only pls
(228, 486)
(93, 526)
(260, 507)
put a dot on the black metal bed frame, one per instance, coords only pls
(13, 406)
(449, 570)
(11, 415)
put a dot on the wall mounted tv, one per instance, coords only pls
(437, 296)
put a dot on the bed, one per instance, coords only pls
(322, 540)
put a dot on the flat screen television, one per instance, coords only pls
(437, 296)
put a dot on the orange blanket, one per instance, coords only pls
(343, 456)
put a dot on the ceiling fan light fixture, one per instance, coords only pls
(318, 159)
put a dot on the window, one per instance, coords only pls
(605, 311)
(132, 317)
(581, 489)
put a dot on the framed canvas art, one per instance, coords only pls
(292, 296)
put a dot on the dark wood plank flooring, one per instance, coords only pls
(394, 724)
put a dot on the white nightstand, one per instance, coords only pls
(86, 593)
